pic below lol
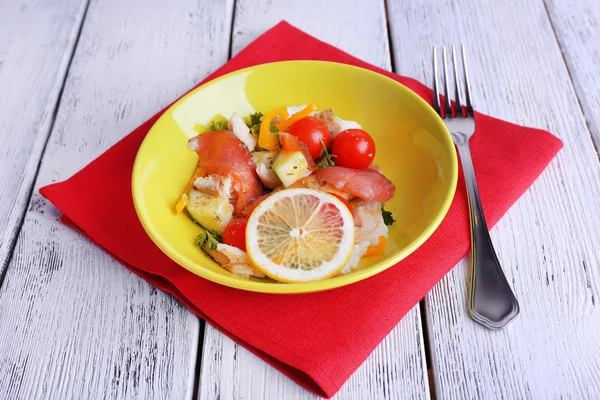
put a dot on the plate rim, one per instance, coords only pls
(300, 287)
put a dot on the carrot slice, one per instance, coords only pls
(183, 199)
(377, 249)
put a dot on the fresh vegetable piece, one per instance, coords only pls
(264, 161)
(343, 200)
(264, 157)
(235, 233)
(253, 122)
(313, 133)
(292, 143)
(290, 166)
(207, 239)
(184, 198)
(266, 139)
(218, 125)
(326, 158)
(377, 249)
(353, 148)
(388, 218)
(254, 119)
(283, 125)
(213, 213)
(298, 235)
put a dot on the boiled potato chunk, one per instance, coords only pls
(290, 166)
(213, 213)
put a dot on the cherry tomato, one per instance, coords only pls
(353, 148)
(312, 132)
(343, 200)
(235, 233)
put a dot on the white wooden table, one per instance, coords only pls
(77, 75)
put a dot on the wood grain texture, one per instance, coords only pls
(576, 24)
(547, 241)
(75, 324)
(396, 369)
(334, 22)
(33, 65)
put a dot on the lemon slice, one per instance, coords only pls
(299, 235)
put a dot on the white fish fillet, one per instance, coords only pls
(215, 185)
(369, 222)
(241, 131)
(234, 260)
(334, 123)
(358, 251)
(263, 161)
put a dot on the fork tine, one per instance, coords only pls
(436, 85)
(469, 104)
(447, 106)
(456, 88)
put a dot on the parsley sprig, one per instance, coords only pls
(253, 122)
(326, 158)
(208, 239)
(218, 126)
(388, 218)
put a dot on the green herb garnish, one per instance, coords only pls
(273, 128)
(254, 119)
(326, 158)
(218, 126)
(388, 218)
(208, 239)
(253, 122)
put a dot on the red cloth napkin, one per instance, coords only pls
(319, 339)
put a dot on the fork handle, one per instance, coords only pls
(491, 301)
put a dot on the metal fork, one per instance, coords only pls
(491, 301)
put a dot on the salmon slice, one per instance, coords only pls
(221, 153)
(364, 183)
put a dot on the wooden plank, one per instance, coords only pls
(73, 322)
(547, 241)
(32, 73)
(575, 24)
(397, 367)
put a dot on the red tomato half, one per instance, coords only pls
(312, 131)
(235, 233)
(353, 148)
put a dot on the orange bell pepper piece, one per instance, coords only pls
(183, 199)
(266, 139)
(283, 125)
(377, 249)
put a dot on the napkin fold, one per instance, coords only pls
(317, 339)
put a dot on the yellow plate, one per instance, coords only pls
(413, 147)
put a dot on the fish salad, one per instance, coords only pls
(310, 163)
